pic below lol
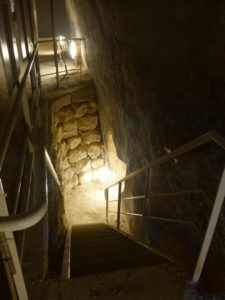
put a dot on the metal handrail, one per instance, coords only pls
(168, 194)
(51, 168)
(41, 159)
(24, 220)
(211, 136)
(62, 39)
(159, 219)
(160, 195)
(39, 209)
(11, 118)
(149, 247)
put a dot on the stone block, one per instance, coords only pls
(77, 154)
(94, 150)
(88, 123)
(97, 163)
(92, 107)
(69, 129)
(68, 174)
(65, 114)
(82, 166)
(80, 110)
(91, 137)
(63, 163)
(64, 148)
(74, 142)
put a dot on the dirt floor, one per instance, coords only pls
(162, 282)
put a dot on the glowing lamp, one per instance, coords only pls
(73, 49)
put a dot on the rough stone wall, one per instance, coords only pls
(159, 69)
(78, 144)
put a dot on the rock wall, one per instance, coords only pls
(78, 144)
(159, 70)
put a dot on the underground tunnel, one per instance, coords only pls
(112, 149)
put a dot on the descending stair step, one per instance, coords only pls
(95, 242)
(107, 252)
(92, 238)
(92, 227)
(89, 233)
(115, 256)
(100, 249)
(114, 263)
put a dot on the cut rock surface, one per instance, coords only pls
(94, 151)
(81, 111)
(88, 123)
(74, 142)
(91, 137)
(92, 107)
(77, 154)
(82, 166)
(72, 183)
(64, 148)
(65, 114)
(97, 163)
(62, 102)
(68, 174)
(84, 95)
(78, 140)
(69, 129)
(63, 163)
(85, 178)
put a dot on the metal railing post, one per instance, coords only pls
(80, 58)
(107, 205)
(147, 188)
(33, 76)
(8, 126)
(19, 178)
(210, 230)
(25, 201)
(119, 206)
(54, 41)
(10, 251)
